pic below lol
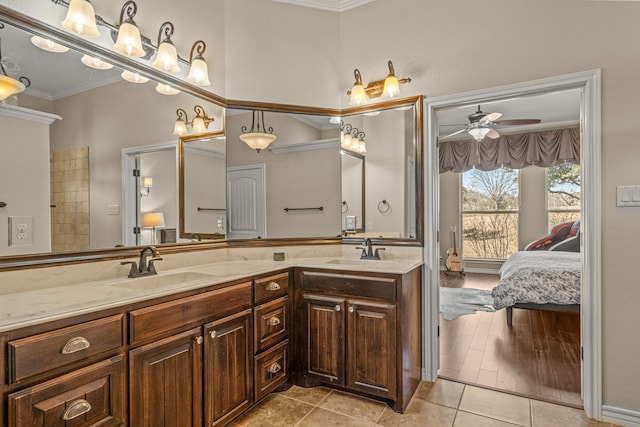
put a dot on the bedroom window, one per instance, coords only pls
(490, 203)
(563, 194)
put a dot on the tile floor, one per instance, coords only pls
(443, 403)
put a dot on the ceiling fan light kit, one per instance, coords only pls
(481, 125)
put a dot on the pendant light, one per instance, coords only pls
(258, 137)
(133, 77)
(167, 56)
(8, 85)
(48, 45)
(199, 71)
(129, 42)
(81, 19)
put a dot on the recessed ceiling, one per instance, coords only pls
(331, 5)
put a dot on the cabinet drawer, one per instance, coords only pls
(94, 395)
(270, 370)
(271, 323)
(271, 287)
(154, 321)
(44, 352)
(350, 285)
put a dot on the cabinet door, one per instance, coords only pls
(228, 367)
(325, 339)
(165, 378)
(371, 348)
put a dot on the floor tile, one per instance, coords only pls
(275, 411)
(442, 392)
(493, 404)
(312, 395)
(466, 419)
(419, 413)
(323, 418)
(353, 406)
(548, 414)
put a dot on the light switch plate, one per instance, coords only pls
(628, 195)
(21, 231)
(113, 209)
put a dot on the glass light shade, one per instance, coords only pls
(147, 181)
(153, 219)
(391, 87)
(81, 19)
(198, 125)
(179, 128)
(347, 140)
(48, 45)
(167, 58)
(362, 148)
(199, 73)
(358, 95)
(258, 141)
(355, 143)
(9, 86)
(133, 77)
(97, 63)
(479, 133)
(166, 89)
(129, 42)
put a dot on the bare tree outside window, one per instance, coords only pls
(564, 193)
(490, 213)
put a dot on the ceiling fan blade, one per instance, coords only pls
(491, 117)
(455, 124)
(518, 122)
(455, 133)
(493, 134)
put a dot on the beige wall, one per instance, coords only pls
(205, 179)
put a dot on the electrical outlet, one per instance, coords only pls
(21, 231)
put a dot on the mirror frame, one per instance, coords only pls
(33, 26)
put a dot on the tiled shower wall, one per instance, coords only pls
(70, 199)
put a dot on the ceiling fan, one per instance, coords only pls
(482, 124)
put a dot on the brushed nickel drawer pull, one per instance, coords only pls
(213, 334)
(199, 340)
(274, 368)
(274, 321)
(273, 286)
(338, 307)
(75, 344)
(77, 408)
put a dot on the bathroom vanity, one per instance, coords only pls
(203, 345)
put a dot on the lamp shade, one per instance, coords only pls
(10, 86)
(97, 63)
(133, 77)
(153, 219)
(199, 73)
(479, 133)
(81, 19)
(258, 141)
(167, 58)
(166, 89)
(48, 45)
(198, 125)
(358, 95)
(129, 42)
(391, 87)
(147, 181)
(179, 128)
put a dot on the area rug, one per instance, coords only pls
(455, 302)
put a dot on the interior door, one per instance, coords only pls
(246, 209)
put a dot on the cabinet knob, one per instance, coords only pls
(273, 286)
(213, 334)
(75, 409)
(274, 321)
(75, 344)
(199, 340)
(338, 308)
(352, 309)
(274, 368)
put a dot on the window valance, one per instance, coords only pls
(544, 149)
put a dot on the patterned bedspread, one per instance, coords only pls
(539, 277)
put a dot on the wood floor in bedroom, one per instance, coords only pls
(539, 357)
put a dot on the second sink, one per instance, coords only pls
(162, 281)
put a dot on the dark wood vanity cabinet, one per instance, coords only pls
(359, 332)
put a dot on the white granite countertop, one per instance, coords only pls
(38, 306)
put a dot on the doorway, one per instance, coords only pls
(246, 204)
(590, 318)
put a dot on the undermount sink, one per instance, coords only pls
(162, 281)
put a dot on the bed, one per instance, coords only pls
(539, 280)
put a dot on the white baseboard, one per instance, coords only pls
(619, 416)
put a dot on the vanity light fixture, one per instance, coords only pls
(133, 77)
(129, 42)
(199, 124)
(8, 85)
(166, 89)
(387, 88)
(81, 19)
(352, 139)
(258, 137)
(167, 56)
(147, 183)
(97, 63)
(199, 71)
(48, 45)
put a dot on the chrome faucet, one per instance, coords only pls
(145, 269)
(367, 250)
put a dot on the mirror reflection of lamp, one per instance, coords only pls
(258, 137)
(147, 183)
(199, 124)
(8, 85)
(153, 220)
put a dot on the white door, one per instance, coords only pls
(246, 204)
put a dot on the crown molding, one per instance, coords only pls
(28, 114)
(330, 5)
